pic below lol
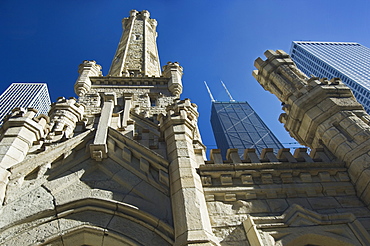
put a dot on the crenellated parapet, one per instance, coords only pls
(86, 70)
(320, 114)
(275, 176)
(268, 156)
(64, 114)
(268, 186)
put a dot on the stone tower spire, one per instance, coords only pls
(137, 53)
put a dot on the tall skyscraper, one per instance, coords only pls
(346, 60)
(26, 95)
(237, 126)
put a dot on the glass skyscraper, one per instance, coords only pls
(348, 61)
(26, 95)
(236, 125)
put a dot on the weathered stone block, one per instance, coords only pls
(305, 177)
(206, 180)
(277, 205)
(226, 179)
(323, 203)
(286, 177)
(229, 197)
(324, 176)
(246, 179)
(144, 165)
(266, 178)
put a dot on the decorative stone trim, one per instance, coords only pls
(267, 155)
(130, 81)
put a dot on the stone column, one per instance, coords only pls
(190, 214)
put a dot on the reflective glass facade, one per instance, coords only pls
(348, 61)
(26, 95)
(236, 125)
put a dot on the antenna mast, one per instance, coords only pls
(227, 91)
(209, 92)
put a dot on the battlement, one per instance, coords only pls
(273, 176)
(268, 156)
(26, 117)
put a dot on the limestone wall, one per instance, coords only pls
(269, 185)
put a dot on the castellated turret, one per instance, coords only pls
(86, 70)
(320, 113)
(173, 71)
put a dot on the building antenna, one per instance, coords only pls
(227, 91)
(209, 92)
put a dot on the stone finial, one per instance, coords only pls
(133, 12)
(86, 70)
(173, 70)
(145, 14)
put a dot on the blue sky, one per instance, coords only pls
(45, 41)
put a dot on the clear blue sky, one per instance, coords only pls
(46, 40)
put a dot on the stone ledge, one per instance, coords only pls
(276, 191)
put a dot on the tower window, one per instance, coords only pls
(152, 101)
(134, 73)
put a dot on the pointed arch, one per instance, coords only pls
(89, 221)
